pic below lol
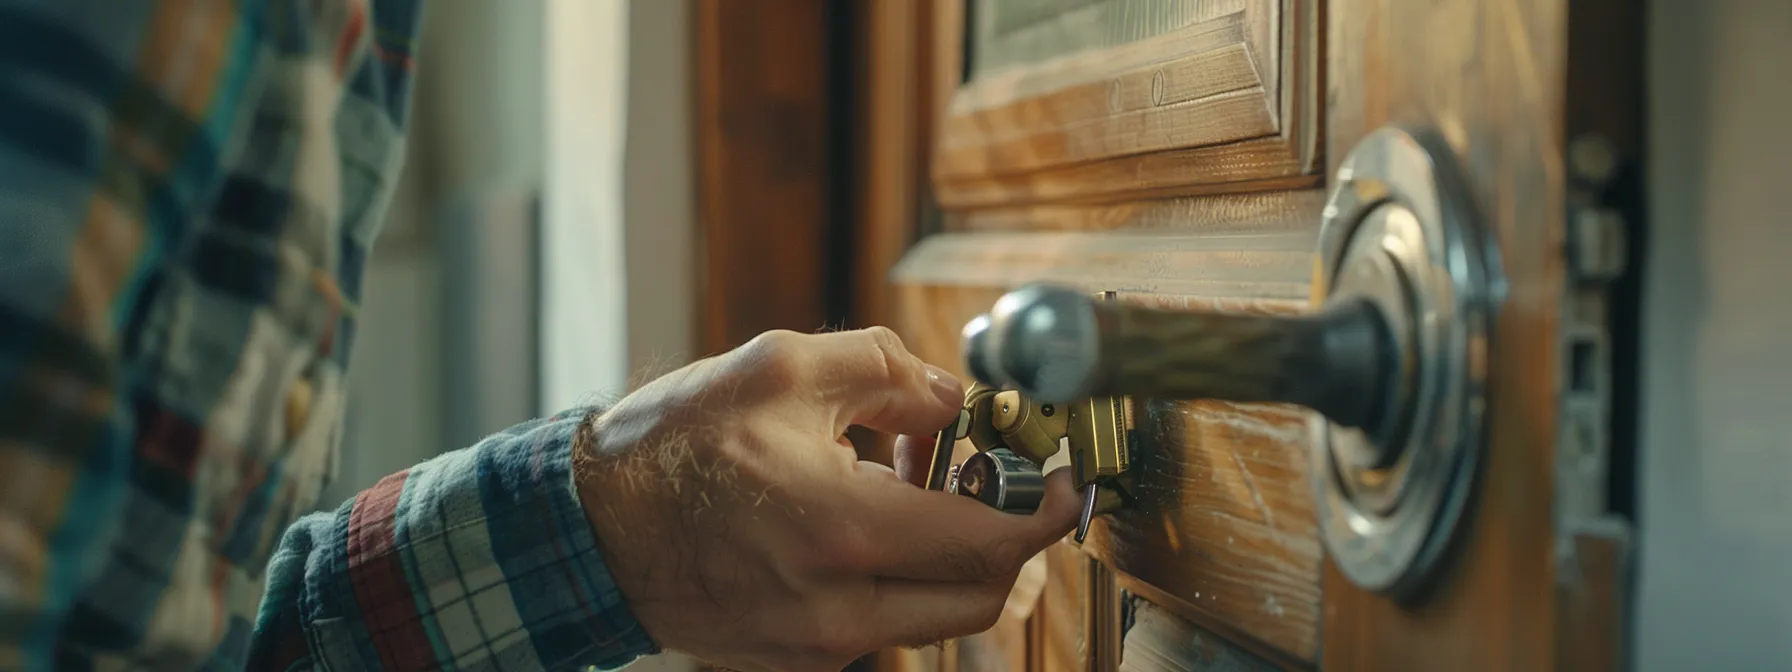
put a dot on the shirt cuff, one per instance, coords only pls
(476, 558)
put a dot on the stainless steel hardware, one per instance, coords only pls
(1394, 359)
(1059, 345)
(1002, 480)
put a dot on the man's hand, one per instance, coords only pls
(743, 529)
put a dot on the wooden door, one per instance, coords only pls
(1179, 152)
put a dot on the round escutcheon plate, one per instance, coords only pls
(1401, 231)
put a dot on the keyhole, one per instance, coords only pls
(1047, 410)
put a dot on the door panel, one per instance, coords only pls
(1174, 152)
(1092, 99)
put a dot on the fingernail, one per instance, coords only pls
(945, 386)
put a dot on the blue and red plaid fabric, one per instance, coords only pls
(188, 193)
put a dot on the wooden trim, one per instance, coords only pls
(890, 143)
(1250, 246)
(1126, 100)
(1102, 635)
(767, 179)
(946, 48)
(1036, 646)
(1195, 111)
(912, 61)
(1225, 214)
(1061, 608)
(1256, 165)
(1262, 266)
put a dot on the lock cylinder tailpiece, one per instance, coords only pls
(1394, 360)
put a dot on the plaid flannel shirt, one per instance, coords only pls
(188, 192)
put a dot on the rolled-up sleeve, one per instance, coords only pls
(478, 559)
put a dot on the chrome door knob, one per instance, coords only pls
(1058, 345)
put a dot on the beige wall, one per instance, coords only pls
(659, 186)
(1715, 583)
(475, 133)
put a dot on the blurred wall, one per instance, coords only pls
(475, 135)
(584, 296)
(539, 247)
(526, 107)
(659, 185)
(1715, 583)
(618, 231)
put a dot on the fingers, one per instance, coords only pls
(870, 379)
(919, 613)
(934, 536)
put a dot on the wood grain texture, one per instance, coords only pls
(1062, 610)
(1121, 101)
(1594, 602)
(1244, 266)
(1227, 522)
(1224, 214)
(1490, 75)
(1010, 34)
(946, 67)
(890, 143)
(765, 180)
(1259, 164)
(925, 659)
(1223, 105)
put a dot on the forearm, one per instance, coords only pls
(479, 554)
